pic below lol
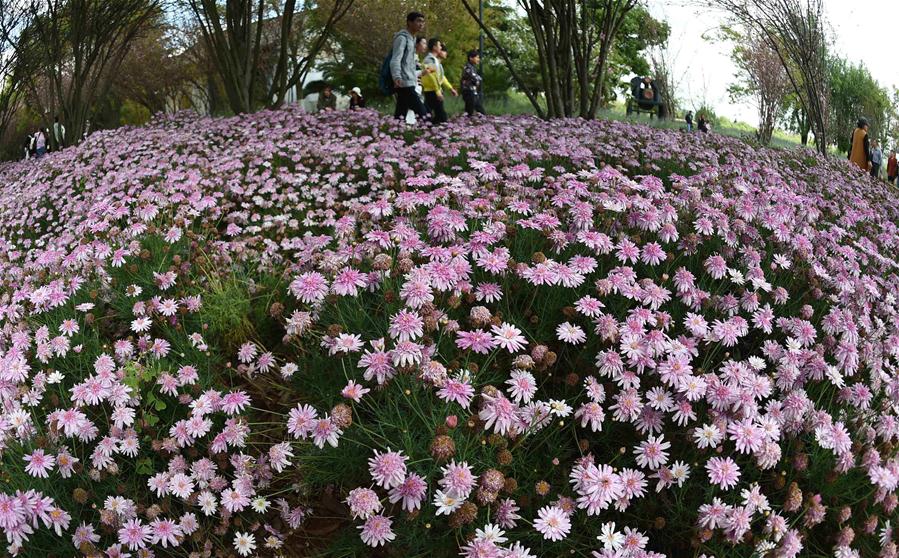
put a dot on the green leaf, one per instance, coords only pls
(159, 405)
(151, 419)
(144, 466)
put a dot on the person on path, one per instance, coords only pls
(434, 80)
(892, 167)
(703, 124)
(357, 101)
(327, 101)
(403, 66)
(688, 118)
(59, 134)
(876, 159)
(859, 146)
(471, 84)
(40, 144)
(29, 139)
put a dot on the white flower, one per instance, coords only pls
(55, 377)
(680, 472)
(491, 533)
(834, 374)
(244, 543)
(446, 503)
(707, 436)
(570, 333)
(757, 362)
(559, 408)
(610, 538)
(260, 505)
(207, 502)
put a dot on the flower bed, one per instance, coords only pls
(291, 335)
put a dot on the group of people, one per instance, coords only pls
(420, 85)
(867, 155)
(327, 100)
(39, 142)
(702, 123)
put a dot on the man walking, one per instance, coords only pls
(59, 134)
(876, 159)
(471, 84)
(402, 67)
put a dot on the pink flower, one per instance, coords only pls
(458, 480)
(377, 531)
(411, 491)
(165, 532)
(234, 500)
(571, 334)
(388, 469)
(723, 472)
(235, 402)
(39, 464)
(309, 288)
(651, 452)
(406, 326)
(301, 421)
(354, 391)
(458, 390)
(522, 386)
(509, 337)
(134, 534)
(477, 341)
(553, 523)
(363, 502)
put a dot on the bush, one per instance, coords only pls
(279, 332)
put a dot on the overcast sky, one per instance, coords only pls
(863, 31)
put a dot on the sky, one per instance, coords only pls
(861, 31)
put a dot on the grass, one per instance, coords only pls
(516, 103)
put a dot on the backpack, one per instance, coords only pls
(385, 79)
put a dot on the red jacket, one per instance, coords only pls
(892, 166)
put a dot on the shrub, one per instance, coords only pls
(291, 334)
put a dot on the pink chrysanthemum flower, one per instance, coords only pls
(377, 531)
(723, 472)
(458, 479)
(406, 326)
(388, 469)
(458, 390)
(39, 464)
(354, 391)
(569, 333)
(165, 532)
(134, 534)
(363, 502)
(509, 337)
(552, 523)
(477, 341)
(411, 492)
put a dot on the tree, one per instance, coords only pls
(663, 73)
(364, 37)
(574, 40)
(69, 49)
(855, 93)
(12, 17)
(640, 38)
(761, 77)
(153, 73)
(795, 30)
(243, 36)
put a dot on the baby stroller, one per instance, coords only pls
(645, 98)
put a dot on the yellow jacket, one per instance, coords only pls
(434, 81)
